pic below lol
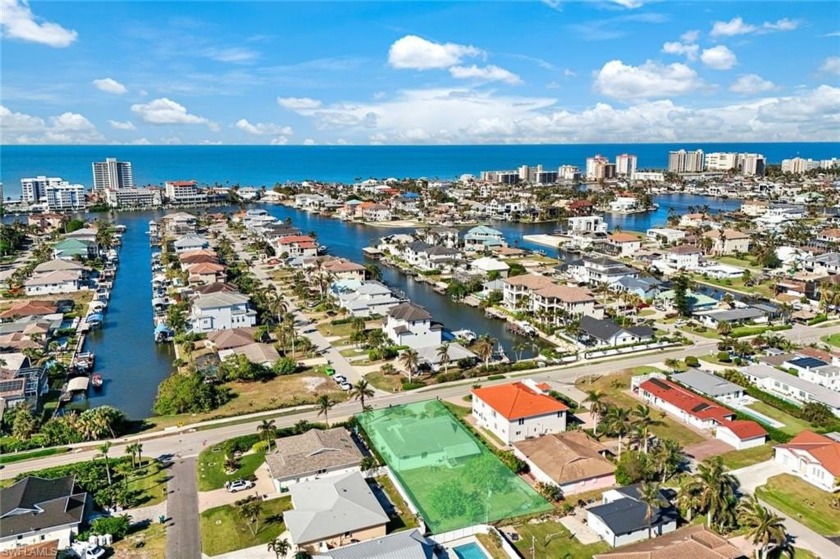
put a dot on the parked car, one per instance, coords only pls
(239, 485)
(346, 386)
(329, 371)
(84, 550)
(340, 378)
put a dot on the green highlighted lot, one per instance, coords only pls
(449, 475)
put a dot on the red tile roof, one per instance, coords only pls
(517, 400)
(744, 429)
(826, 451)
(291, 239)
(685, 400)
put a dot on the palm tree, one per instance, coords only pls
(279, 546)
(266, 429)
(597, 406)
(410, 359)
(133, 452)
(325, 404)
(443, 356)
(668, 458)
(362, 390)
(618, 423)
(103, 452)
(643, 420)
(649, 495)
(484, 348)
(715, 488)
(766, 529)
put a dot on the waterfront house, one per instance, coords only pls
(554, 302)
(680, 257)
(190, 242)
(644, 288)
(411, 325)
(572, 461)
(586, 223)
(214, 288)
(625, 244)
(206, 273)
(665, 236)
(332, 512)
(792, 387)
(598, 270)
(695, 410)
(606, 333)
(622, 517)
(443, 236)
(229, 339)
(723, 272)
(726, 242)
(28, 308)
(257, 353)
(184, 192)
(21, 383)
(516, 294)
(812, 457)
(34, 510)
(46, 221)
(297, 246)
(487, 265)
(697, 302)
(70, 249)
(198, 257)
(375, 212)
(427, 257)
(313, 455)
(754, 208)
(483, 238)
(690, 542)
(60, 281)
(518, 410)
(221, 311)
(59, 265)
(179, 223)
(430, 356)
(344, 269)
(733, 317)
(365, 299)
(624, 204)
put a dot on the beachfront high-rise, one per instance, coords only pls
(683, 161)
(34, 190)
(625, 165)
(112, 175)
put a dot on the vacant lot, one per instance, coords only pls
(223, 529)
(735, 459)
(552, 539)
(388, 383)
(211, 468)
(802, 501)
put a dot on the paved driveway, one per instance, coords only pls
(700, 451)
(218, 497)
(183, 536)
(757, 474)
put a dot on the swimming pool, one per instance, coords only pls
(470, 551)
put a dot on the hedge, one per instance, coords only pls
(776, 435)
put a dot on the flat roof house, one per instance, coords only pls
(333, 512)
(408, 544)
(36, 509)
(313, 455)
(813, 457)
(621, 518)
(709, 385)
(518, 410)
(791, 387)
(571, 460)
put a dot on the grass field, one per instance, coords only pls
(495, 550)
(151, 480)
(833, 339)
(793, 425)
(19, 457)
(552, 539)
(223, 530)
(802, 501)
(406, 519)
(615, 386)
(211, 468)
(147, 543)
(388, 383)
(735, 459)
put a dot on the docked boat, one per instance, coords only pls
(467, 336)
(163, 333)
(83, 362)
(96, 381)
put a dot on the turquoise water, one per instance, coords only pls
(267, 165)
(470, 551)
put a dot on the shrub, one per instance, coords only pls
(510, 460)
(692, 361)
(413, 385)
(632, 468)
(495, 377)
(259, 446)
(285, 366)
(560, 397)
(549, 491)
(117, 526)
(724, 357)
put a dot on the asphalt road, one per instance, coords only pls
(183, 532)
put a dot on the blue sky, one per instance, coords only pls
(197, 72)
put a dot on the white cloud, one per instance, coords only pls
(18, 22)
(737, 26)
(488, 73)
(66, 128)
(681, 49)
(298, 103)
(749, 84)
(237, 55)
(831, 65)
(719, 58)
(629, 4)
(279, 141)
(110, 85)
(650, 80)
(120, 125)
(690, 36)
(569, 73)
(416, 53)
(309, 142)
(141, 142)
(166, 111)
(261, 128)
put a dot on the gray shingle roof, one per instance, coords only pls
(409, 312)
(38, 504)
(706, 383)
(400, 545)
(332, 506)
(313, 451)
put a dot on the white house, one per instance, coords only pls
(35, 510)
(587, 224)
(627, 244)
(221, 311)
(411, 325)
(483, 237)
(486, 265)
(728, 241)
(365, 298)
(519, 410)
(665, 236)
(58, 281)
(681, 257)
(815, 458)
(313, 455)
(190, 242)
(622, 517)
(791, 387)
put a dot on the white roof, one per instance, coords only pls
(490, 264)
(220, 299)
(817, 392)
(332, 506)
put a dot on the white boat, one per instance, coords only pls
(467, 336)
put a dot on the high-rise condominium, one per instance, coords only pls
(112, 174)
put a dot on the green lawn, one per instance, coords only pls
(151, 480)
(552, 539)
(406, 519)
(211, 468)
(458, 411)
(793, 425)
(342, 330)
(388, 383)
(735, 459)
(833, 339)
(148, 542)
(223, 530)
(802, 501)
(18, 457)
(740, 262)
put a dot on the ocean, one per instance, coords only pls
(268, 165)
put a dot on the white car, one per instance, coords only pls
(85, 550)
(340, 379)
(346, 386)
(239, 485)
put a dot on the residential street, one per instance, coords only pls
(183, 533)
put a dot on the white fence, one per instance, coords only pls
(606, 352)
(454, 535)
